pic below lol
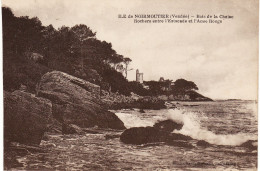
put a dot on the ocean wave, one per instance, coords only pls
(133, 120)
(191, 127)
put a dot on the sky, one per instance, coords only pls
(222, 59)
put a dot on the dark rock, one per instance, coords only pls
(26, 117)
(45, 137)
(168, 125)
(55, 126)
(203, 143)
(86, 117)
(76, 101)
(179, 144)
(176, 136)
(141, 111)
(250, 144)
(111, 136)
(142, 135)
(71, 129)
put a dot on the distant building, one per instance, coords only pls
(139, 77)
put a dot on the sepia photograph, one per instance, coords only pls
(120, 85)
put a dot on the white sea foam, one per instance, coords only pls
(133, 120)
(191, 126)
(193, 129)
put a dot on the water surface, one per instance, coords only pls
(224, 124)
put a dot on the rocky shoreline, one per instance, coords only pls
(64, 104)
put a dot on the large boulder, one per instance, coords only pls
(76, 101)
(26, 117)
(144, 135)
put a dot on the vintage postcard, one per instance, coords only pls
(130, 84)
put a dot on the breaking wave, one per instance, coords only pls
(191, 127)
(134, 120)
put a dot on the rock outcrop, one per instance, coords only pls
(76, 101)
(26, 117)
(203, 143)
(144, 135)
(160, 132)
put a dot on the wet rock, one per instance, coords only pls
(203, 143)
(144, 135)
(168, 125)
(71, 129)
(176, 136)
(76, 101)
(108, 137)
(179, 144)
(250, 144)
(45, 137)
(55, 126)
(26, 117)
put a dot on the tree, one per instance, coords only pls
(120, 68)
(74, 50)
(9, 30)
(21, 34)
(127, 62)
(82, 33)
(49, 34)
(156, 87)
(183, 85)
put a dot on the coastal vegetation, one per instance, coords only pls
(30, 50)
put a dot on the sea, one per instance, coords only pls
(225, 124)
